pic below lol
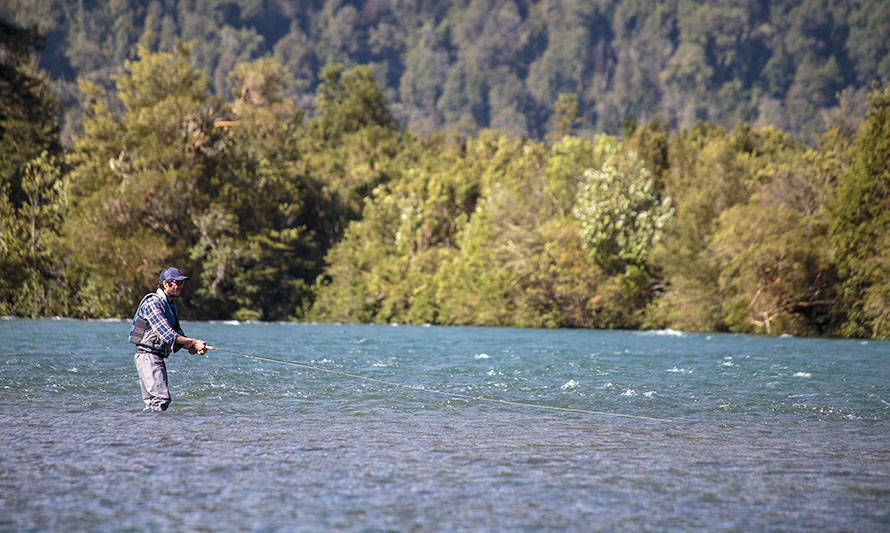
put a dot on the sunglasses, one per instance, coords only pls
(177, 281)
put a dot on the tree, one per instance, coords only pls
(32, 282)
(137, 178)
(861, 218)
(349, 100)
(383, 269)
(29, 113)
(620, 213)
(349, 145)
(776, 274)
(257, 243)
(420, 86)
(709, 170)
(30, 180)
(565, 116)
(519, 258)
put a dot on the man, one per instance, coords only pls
(156, 334)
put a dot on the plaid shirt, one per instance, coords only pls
(154, 313)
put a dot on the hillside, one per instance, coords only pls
(462, 66)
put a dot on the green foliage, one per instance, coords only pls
(32, 196)
(861, 217)
(33, 284)
(380, 270)
(565, 116)
(494, 246)
(747, 249)
(350, 146)
(135, 177)
(348, 101)
(255, 248)
(711, 170)
(466, 66)
(620, 214)
(775, 270)
(284, 206)
(28, 110)
(474, 233)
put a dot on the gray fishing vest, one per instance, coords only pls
(144, 337)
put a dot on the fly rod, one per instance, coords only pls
(434, 391)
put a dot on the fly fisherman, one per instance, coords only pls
(156, 334)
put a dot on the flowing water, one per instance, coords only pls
(758, 433)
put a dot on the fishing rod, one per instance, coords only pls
(433, 391)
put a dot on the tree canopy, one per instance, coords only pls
(467, 65)
(282, 209)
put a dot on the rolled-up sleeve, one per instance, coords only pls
(153, 313)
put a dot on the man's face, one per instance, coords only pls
(173, 288)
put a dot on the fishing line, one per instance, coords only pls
(434, 391)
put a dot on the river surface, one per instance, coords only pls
(722, 433)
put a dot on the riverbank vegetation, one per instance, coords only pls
(344, 214)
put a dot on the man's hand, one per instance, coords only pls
(199, 347)
(195, 346)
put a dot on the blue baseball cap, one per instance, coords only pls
(172, 273)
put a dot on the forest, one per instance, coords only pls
(466, 65)
(531, 164)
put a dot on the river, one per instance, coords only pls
(609, 430)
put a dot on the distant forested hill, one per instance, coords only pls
(465, 65)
